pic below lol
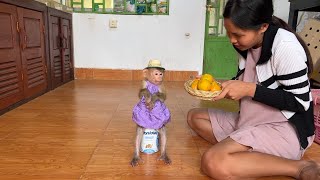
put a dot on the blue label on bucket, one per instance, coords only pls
(148, 151)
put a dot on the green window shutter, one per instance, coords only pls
(145, 7)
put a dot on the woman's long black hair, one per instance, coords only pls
(251, 14)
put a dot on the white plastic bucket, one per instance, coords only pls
(150, 141)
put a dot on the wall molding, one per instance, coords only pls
(128, 75)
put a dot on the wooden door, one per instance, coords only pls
(60, 48)
(11, 86)
(220, 58)
(66, 50)
(55, 51)
(32, 51)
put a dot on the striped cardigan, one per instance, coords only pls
(283, 81)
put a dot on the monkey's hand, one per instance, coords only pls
(144, 93)
(158, 96)
(150, 104)
(155, 97)
(147, 96)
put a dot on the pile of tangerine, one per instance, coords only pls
(206, 82)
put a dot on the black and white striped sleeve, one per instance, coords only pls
(293, 94)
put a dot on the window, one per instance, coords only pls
(215, 17)
(159, 7)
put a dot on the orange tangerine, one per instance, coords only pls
(204, 85)
(215, 86)
(194, 84)
(208, 77)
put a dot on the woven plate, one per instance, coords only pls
(204, 95)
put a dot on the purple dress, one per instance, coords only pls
(151, 119)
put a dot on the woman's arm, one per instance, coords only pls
(293, 94)
(277, 98)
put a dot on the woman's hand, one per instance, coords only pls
(235, 90)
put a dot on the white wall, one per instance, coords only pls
(139, 38)
(281, 9)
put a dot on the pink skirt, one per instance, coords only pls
(279, 139)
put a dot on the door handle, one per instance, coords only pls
(209, 7)
(24, 44)
(65, 42)
(61, 42)
(58, 42)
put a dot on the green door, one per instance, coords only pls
(220, 58)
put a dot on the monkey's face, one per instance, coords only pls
(155, 76)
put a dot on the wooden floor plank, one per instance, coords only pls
(83, 130)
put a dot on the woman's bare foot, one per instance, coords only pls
(311, 171)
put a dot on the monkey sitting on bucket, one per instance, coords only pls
(151, 113)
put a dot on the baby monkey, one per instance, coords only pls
(151, 112)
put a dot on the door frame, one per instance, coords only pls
(218, 28)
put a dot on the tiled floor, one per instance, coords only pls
(83, 130)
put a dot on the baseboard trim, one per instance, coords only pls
(128, 75)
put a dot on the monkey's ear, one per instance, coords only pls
(145, 73)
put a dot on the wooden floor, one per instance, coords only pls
(83, 130)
